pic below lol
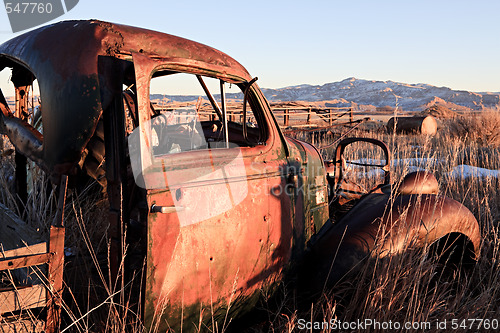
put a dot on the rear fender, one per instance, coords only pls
(382, 225)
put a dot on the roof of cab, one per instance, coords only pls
(64, 57)
(85, 40)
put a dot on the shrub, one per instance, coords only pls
(482, 128)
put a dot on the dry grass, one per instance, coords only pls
(482, 128)
(408, 288)
(413, 287)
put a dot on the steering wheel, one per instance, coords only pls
(339, 160)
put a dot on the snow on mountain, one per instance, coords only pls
(386, 93)
(368, 95)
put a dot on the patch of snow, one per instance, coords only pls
(420, 164)
(401, 162)
(467, 171)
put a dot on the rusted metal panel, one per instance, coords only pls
(419, 182)
(225, 238)
(383, 225)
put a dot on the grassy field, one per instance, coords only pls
(411, 288)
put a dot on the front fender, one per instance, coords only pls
(381, 225)
(421, 220)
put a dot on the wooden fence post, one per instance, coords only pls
(56, 264)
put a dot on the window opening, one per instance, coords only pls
(194, 113)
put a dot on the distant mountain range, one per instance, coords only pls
(366, 95)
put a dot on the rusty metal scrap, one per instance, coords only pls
(426, 125)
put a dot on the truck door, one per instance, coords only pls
(209, 236)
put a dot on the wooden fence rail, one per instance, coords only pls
(328, 115)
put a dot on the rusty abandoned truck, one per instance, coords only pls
(222, 206)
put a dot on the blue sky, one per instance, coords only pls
(443, 43)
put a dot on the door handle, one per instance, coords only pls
(166, 209)
(293, 179)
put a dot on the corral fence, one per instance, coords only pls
(323, 127)
(314, 124)
(304, 116)
(294, 117)
(185, 114)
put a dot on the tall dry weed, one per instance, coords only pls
(413, 287)
(410, 287)
(482, 128)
